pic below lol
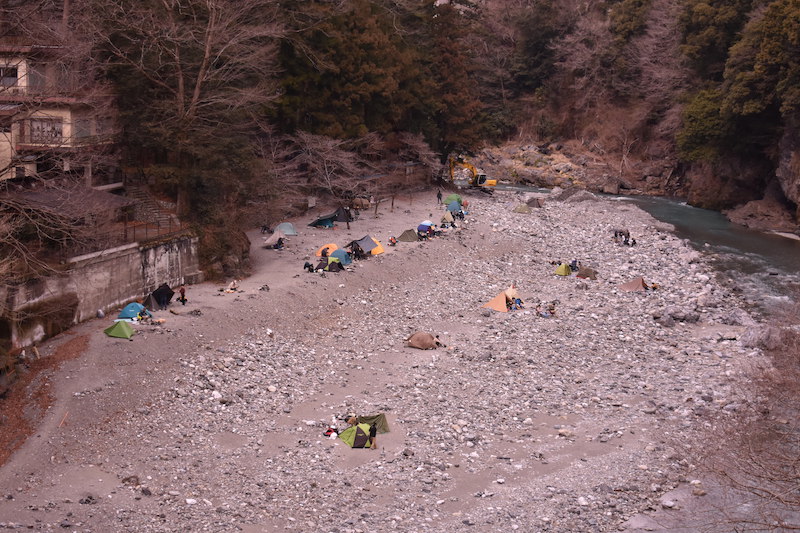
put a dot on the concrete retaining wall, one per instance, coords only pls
(103, 280)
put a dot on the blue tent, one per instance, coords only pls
(132, 310)
(423, 228)
(454, 206)
(342, 256)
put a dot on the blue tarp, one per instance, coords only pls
(132, 310)
(454, 206)
(342, 256)
(423, 228)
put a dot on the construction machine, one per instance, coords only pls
(477, 178)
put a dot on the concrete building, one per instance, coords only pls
(52, 122)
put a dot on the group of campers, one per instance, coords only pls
(513, 302)
(623, 236)
(332, 258)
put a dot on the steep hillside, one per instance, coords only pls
(678, 97)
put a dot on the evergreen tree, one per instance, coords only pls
(709, 29)
(459, 115)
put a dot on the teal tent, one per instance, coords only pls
(342, 256)
(325, 221)
(453, 198)
(132, 310)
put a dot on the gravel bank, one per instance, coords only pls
(570, 423)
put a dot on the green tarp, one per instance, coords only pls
(379, 420)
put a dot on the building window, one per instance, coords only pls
(82, 129)
(8, 76)
(46, 131)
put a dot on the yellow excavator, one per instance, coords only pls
(477, 179)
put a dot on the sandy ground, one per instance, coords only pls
(120, 375)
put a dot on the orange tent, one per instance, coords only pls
(331, 247)
(498, 303)
(637, 284)
(378, 247)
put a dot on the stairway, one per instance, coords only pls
(148, 209)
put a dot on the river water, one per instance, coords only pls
(765, 266)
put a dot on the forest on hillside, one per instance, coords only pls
(236, 106)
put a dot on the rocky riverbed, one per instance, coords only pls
(576, 422)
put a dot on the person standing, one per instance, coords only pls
(182, 292)
(439, 196)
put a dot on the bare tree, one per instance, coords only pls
(193, 76)
(329, 165)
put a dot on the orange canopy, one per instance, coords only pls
(498, 303)
(331, 247)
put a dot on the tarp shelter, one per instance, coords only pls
(119, 330)
(325, 221)
(287, 228)
(447, 218)
(330, 246)
(342, 255)
(637, 284)
(454, 206)
(132, 310)
(150, 302)
(453, 198)
(586, 273)
(272, 240)
(423, 227)
(498, 303)
(563, 270)
(163, 294)
(408, 235)
(511, 293)
(356, 436)
(343, 215)
(379, 420)
(522, 208)
(368, 245)
(535, 202)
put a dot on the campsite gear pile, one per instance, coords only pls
(362, 431)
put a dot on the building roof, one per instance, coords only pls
(72, 201)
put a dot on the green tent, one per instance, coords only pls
(563, 270)
(356, 436)
(453, 198)
(120, 330)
